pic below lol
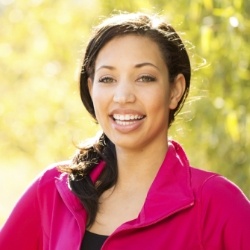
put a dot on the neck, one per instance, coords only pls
(139, 166)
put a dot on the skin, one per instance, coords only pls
(132, 97)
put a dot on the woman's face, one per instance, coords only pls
(131, 92)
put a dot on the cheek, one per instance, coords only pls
(95, 95)
(159, 99)
(100, 102)
(159, 106)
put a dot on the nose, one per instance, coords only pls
(124, 93)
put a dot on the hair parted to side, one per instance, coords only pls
(177, 61)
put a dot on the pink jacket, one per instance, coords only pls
(185, 208)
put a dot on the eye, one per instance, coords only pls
(146, 78)
(106, 79)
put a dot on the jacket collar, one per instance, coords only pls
(171, 190)
(169, 193)
(71, 200)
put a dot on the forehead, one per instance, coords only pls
(130, 48)
(126, 39)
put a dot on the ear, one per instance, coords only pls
(177, 90)
(90, 86)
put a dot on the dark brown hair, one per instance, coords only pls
(177, 61)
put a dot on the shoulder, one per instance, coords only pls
(219, 200)
(227, 196)
(223, 211)
(209, 185)
(212, 187)
(224, 214)
(217, 186)
(199, 177)
(52, 172)
(45, 183)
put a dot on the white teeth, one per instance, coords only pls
(127, 117)
(124, 122)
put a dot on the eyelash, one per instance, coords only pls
(147, 78)
(106, 79)
(144, 78)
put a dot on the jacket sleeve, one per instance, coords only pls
(22, 230)
(225, 216)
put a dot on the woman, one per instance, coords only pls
(133, 188)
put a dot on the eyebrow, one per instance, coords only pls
(139, 65)
(106, 67)
(146, 64)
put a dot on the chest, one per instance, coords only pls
(178, 232)
(116, 208)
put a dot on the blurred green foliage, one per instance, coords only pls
(41, 46)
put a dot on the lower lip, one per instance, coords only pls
(126, 127)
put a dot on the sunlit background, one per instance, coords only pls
(41, 116)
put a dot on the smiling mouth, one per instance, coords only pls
(127, 119)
